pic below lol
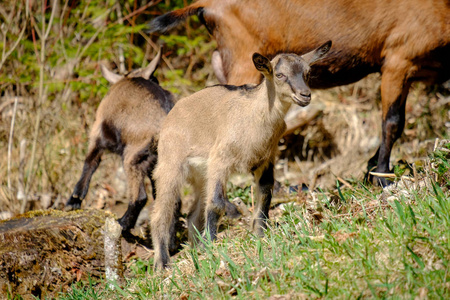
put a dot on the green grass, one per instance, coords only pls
(394, 245)
(351, 242)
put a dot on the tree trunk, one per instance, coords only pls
(42, 253)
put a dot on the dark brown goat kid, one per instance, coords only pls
(127, 123)
(405, 40)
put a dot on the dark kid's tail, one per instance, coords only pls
(171, 19)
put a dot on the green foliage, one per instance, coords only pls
(141, 267)
(84, 290)
(440, 161)
(62, 105)
(236, 191)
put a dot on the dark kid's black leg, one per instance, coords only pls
(130, 217)
(81, 188)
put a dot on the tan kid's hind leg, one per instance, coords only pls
(195, 217)
(216, 200)
(168, 181)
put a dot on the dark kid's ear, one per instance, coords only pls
(262, 64)
(317, 54)
(148, 71)
(110, 76)
(153, 65)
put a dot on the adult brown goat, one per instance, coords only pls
(127, 123)
(405, 40)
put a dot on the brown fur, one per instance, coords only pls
(220, 130)
(405, 40)
(127, 123)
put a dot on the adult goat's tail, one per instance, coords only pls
(169, 20)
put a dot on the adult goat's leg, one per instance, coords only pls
(394, 90)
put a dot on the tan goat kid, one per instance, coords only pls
(221, 130)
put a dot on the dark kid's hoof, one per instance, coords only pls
(72, 204)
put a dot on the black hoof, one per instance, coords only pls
(73, 203)
(125, 223)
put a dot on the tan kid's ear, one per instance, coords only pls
(317, 54)
(262, 64)
(110, 76)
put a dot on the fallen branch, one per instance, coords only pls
(298, 117)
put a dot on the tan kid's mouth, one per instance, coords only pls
(303, 100)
